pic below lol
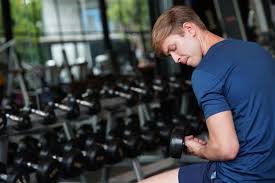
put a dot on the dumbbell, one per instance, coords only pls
(93, 154)
(12, 152)
(132, 121)
(100, 129)
(93, 105)
(149, 136)
(27, 144)
(47, 170)
(177, 144)
(48, 116)
(89, 94)
(128, 131)
(175, 87)
(22, 120)
(71, 108)
(140, 89)
(164, 130)
(72, 162)
(84, 131)
(113, 148)
(15, 176)
(110, 92)
(160, 88)
(133, 145)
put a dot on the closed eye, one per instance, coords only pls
(171, 48)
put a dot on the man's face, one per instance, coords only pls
(183, 49)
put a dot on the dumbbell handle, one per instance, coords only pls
(87, 93)
(39, 113)
(62, 107)
(138, 90)
(32, 165)
(14, 117)
(85, 103)
(132, 88)
(174, 85)
(123, 95)
(157, 88)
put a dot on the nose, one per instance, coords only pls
(175, 57)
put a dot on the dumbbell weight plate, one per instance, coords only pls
(49, 171)
(177, 142)
(24, 124)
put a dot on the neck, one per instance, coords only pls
(207, 40)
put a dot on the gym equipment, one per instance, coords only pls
(161, 90)
(27, 144)
(149, 136)
(84, 130)
(177, 144)
(47, 170)
(14, 177)
(71, 108)
(12, 152)
(72, 162)
(22, 120)
(49, 116)
(94, 155)
(132, 142)
(175, 87)
(93, 106)
(132, 121)
(145, 95)
(113, 148)
(113, 92)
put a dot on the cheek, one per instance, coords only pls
(192, 47)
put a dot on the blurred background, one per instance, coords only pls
(93, 53)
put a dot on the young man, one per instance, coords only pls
(234, 83)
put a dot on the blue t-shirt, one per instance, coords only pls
(240, 76)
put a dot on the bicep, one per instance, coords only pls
(222, 132)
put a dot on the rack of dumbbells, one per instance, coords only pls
(126, 122)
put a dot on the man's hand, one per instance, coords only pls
(194, 145)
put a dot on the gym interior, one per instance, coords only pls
(85, 99)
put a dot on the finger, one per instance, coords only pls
(196, 140)
(189, 137)
(202, 142)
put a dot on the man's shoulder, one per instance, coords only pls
(230, 46)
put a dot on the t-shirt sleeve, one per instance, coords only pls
(209, 93)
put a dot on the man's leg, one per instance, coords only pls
(196, 173)
(170, 176)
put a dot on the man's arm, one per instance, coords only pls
(223, 142)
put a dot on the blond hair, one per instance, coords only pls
(170, 22)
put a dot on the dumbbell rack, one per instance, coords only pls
(38, 127)
(135, 163)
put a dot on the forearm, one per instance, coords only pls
(213, 152)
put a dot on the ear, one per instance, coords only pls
(189, 27)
